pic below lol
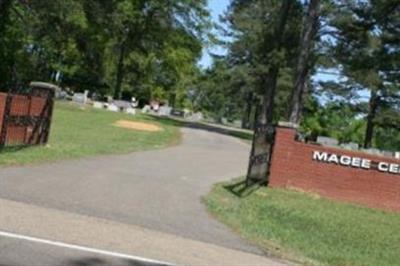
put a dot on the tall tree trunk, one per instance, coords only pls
(373, 107)
(247, 112)
(120, 72)
(303, 64)
(263, 133)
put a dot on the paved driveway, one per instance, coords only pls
(159, 191)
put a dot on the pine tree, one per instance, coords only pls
(366, 49)
(303, 66)
(263, 134)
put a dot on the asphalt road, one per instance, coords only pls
(157, 192)
(37, 254)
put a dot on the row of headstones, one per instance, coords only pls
(117, 106)
(332, 142)
(110, 105)
(130, 107)
(166, 110)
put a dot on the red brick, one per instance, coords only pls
(292, 166)
(22, 105)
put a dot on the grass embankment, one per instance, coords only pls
(77, 132)
(307, 228)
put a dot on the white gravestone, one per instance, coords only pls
(113, 108)
(130, 111)
(98, 105)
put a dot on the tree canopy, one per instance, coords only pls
(355, 43)
(277, 55)
(148, 48)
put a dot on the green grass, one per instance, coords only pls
(79, 133)
(307, 228)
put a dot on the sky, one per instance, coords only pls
(217, 8)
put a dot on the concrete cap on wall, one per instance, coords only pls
(45, 85)
(288, 124)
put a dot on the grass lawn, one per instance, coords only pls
(79, 133)
(306, 228)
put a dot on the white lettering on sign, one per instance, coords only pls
(356, 162)
(333, 158)
(320, 156)
(383, 167)
(345, 160)
(366, 164)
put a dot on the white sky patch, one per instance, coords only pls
(217, 8)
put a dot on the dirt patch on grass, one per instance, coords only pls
(137, 126)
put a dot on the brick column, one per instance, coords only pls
(285, 135)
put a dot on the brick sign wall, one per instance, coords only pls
(2, 107)
(30, 107)
(336, 173)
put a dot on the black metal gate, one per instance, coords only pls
(26, 117)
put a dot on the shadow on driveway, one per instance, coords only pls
(94, 261)
(102, 262)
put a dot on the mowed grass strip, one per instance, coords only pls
(307, 228)
(78, 132)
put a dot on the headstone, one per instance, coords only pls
(186, 112)
(387, 153)
(80, 97)
(95, 97)
(237, 123)
(350, 146)
(397, 155)
(164, 111)
(373, 151)
(130, 111)
(113, 108)
(196, 117)
(146, 109)
(122, 105)
(62, 95)
(85, 96)
(326, 141)
(155, 105)
(134, 102)
(98, 105)
(178, 112)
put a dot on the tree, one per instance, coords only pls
(251, 27)
(334, 119)
(303, 66)
(263, 137)
(366, 49)
(5, 6)
(150, 27)
(108, 47)
(5, 47)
